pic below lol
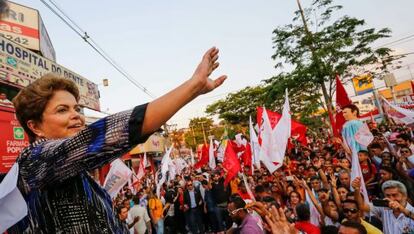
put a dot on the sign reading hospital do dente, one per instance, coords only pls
(20, 67)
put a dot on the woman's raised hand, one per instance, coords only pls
(207, 65)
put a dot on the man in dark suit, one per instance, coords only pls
(193, 204)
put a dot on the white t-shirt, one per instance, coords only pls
(141, 212)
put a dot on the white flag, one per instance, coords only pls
(267, 143)
(141, 169)
(13, 207)
(211, 159)
(117, 177)
(165, 162)
(281, 134)
(254, 144)
(356, 172)
(314, 214)
(364, 136)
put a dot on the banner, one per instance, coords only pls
(398, 114)
(20, 67)
(363, 84)
(117, 177)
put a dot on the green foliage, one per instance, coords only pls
(237, 107)
(335, 46)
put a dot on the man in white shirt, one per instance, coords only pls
(398, 216)
(144, 222)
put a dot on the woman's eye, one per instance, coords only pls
(62, 110)
(78, 109)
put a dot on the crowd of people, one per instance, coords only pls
(312, 193)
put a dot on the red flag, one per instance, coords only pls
(231, 163)
(204, 157)
(247, 155)
(298, 130)
(342, 100)
(412, 86)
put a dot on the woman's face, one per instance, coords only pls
(342, 193)
(385, 176)
(294, 199)
(61, 117)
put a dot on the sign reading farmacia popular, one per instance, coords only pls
(20, 67)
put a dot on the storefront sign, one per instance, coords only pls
(20, 66)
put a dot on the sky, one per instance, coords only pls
(159, 43)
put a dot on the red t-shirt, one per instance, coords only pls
(307, 227)
(368, 172)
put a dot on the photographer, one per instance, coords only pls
(397, 216)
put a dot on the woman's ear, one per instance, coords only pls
(35, 128)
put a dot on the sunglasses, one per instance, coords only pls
(405, 151)
(353, 211)
(234, 211)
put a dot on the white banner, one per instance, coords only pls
(117, 177)
(398, 114)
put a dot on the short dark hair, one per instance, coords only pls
(364, 152)
(314, 178)
(119, 209)
(135, 199)
(238, 202)
(352, 107)
(303, 212)
(375, 145)
(352, 224)
(329, 229)
(351, 201)
(404, 136)
(259, 189)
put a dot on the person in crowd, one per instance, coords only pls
(303, 220)
(398, 216)
(193, 204)
(144, 222)
(345, 178)
(353, 213)
(156, 212)
(403, 140)
(351, 227)
(53, 169)
(246, 224)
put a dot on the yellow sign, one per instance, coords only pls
(363, 84)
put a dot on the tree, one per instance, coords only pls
(317, 57)
(336, 47)
(237, 107)
(199, 129)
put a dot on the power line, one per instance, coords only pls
(398, 40)
(83, 34)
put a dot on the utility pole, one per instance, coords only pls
(204, 133)
(318, 63)
(192, 131)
